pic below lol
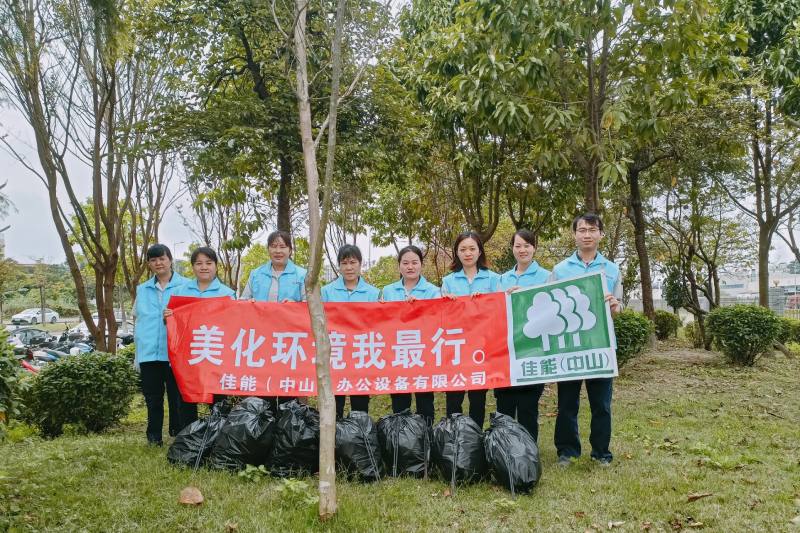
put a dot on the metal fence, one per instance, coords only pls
(778, 300)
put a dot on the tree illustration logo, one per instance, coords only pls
(557, 313)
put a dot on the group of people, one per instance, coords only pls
(280, 280)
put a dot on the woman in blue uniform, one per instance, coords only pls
(471, 277)
(350, 287)
(205, 284)
(411, 287)
(150, 342)
(522, 402)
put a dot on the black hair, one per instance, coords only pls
(526, 235)
(410, 248)
(282, 235)
(347, 251)
(456, 265)
(206, 251)
(158, 250)
(589, 218)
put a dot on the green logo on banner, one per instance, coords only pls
(561, 329)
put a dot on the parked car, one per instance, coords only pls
(83, 329)
(25, 335)
(34, 316)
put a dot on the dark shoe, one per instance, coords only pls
(564, 461)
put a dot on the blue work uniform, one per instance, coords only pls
(337, 292)
(291, 283)
(599, 390)
(150, 343)
(216, 290)
(150, 336)
(485, 281)
(533, 275)
(522, 402)
(424, 290)
(187, 411)
(396, 292)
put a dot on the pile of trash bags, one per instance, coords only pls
(398, 444)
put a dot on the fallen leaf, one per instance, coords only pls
(656, 422)
(752, 504)
(646, 526)
(676, 525)
(695, 496)
(696, 524)
(700, 463)
(551, 415)
(496, 489)
(486, 524)
(232, 527)
(588, 531)
(612, 525)
(503, 518)
(685, 478)
(27, 518)
(447, 494)
(748, 481)
(579, 513)
(191, 496)
(593, 491)
(598, 527)
(628, 456)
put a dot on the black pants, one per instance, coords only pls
(156, 376)
(477, 404)
(357, 403)
(566, 437)
(401, 402)
(521, 403)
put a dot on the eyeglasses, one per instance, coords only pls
(591, 231)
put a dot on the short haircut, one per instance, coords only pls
(282, 235)
(589, 218)
(410, 248)
(347, 251)
(456, 265)
(526, 235)
(158, 250)
(206, 251)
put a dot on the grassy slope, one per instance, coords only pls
(684, 423)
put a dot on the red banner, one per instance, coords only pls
(222, 346)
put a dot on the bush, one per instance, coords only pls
(693, 334)
(743, 332)
(789, 330)
(667, 325)
(92, 391)
(633, 332)
(10, 384)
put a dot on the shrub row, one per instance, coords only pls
(632, 330)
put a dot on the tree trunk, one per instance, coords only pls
(637, 218)
(328, 505)
(763, 264)
(284, 202)
(592, 189)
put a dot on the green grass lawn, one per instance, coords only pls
(684, 423)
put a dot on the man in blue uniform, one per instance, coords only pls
(588, 230)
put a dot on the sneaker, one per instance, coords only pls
(602, 462)
(564, 461)
(155, 443)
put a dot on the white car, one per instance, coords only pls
(83, 329)
(34, 316)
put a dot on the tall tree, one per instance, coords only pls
(772, 69)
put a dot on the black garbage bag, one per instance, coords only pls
(194, 443)
(457, 449)
(512, 454)
(246, 436)
(405, 444)
(296, 445)
(357, 447)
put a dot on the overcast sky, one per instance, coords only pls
(33, 235)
